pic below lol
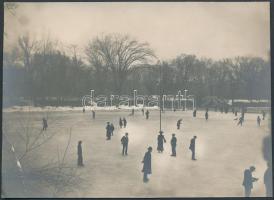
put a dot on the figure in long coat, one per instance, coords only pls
(259, 121)
(108, 131)
(111, 129)
(121, 123)
(179, 123)
(80, 154)
(124, 142)
(147, 164)
(206, 115)
(173, 143)
(248, 180)
(161, 140)
(147, 114)
(194, 113)
(45, 124)
(125, 122)
(192, 147)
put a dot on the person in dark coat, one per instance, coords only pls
(147, 114)
(111, 129)
(263, 113)
(108, 128)
(161, 140)
(206, 115)
(173, 143)
(121, 123)
(124, 141)
(194, 113)
(84, 110)
(268, 180)
(179, 123)
(259, 121)
(248, 180)
(93, 114)
(147, 164)
(192, 147)
(125, 122)
(80, 154)
(45, 124)
(132, 111)
(241, 120)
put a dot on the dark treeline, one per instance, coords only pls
(42, 73)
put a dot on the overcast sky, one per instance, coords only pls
(213, 30)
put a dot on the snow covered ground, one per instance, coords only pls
(223, 151)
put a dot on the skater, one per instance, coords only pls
(161, 140)
(268, 180)
(121, 123)
(179, 123)
(84, 110)
(248, 180)
(263, 113)
(143, 111)
(259, 121)
(125, 122)
(108, 128)
(194, 113)
(45, 124)
(124, 142)
(147, 164)
(111, 129)
(80, 154)
(192, 147)
(93, 114)
(173, 142)
(147, 114)
(241, 120)
(206, 115)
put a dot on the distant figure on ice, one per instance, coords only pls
(241, 120)
(192, 147)
(124, 142)
(147, 164)
(259, 121)
(263, 113)
(248, 180)
(173, 143)
(194, 113)
(111, 129)
(93, 114)
(80, 154)
(45, 124)
(108, 129)
(143, 111)
(179, 123)
(84, 110)
(161, 140)
(121, 123)
(132, 111)
(125, 122)
(268, 180)
(147, 114)
(206, 115)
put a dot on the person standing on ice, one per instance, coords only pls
(125, 122)
(173, 143)
(80, 154)
(206, 115)
(84, 110)
(194, 113)
(259, 121)
(124, 141)
(192, 147)
(161, 140)
(45, 124)
(147, 164)
(132, 111)
(108, 129)
(120, 123)
(241, 120)
(147, 114)
(263, 113)
(248, 180)
(93, 114)
(179, 123)
(111, 129)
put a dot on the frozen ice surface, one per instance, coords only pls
(223, 151)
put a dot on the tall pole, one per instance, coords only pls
(160, 100)
(185, 100)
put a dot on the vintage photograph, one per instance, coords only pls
(136, 99)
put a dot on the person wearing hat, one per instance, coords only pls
(80, 155)
(147, 164)
(161, 140)
(173, 142)
(248, 180)
(124, 142)
(108, 128)
(192, 147)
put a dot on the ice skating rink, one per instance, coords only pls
(223, 151)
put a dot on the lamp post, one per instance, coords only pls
(185, 99)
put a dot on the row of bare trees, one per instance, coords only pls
(46, 71)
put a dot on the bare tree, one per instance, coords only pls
(118, 54)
